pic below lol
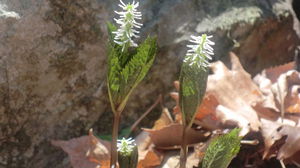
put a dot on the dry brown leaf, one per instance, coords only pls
(152, 159)
(170, 137)
(275, 72)
(292, 99)
(280, 86)
(274, 131)
(231, 118)
(86, 151)
(143, 141)
(164, 120)
(172, 160)
(207, 107)
(235, 91)
(176, 109)
(148, 156)
(265, 85)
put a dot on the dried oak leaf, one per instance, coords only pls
(153, 158)
(236, 93)
(164, 120)
(281, 88)
(170, 137)
(148, 156)
(275, 72)
(86, 151)
(172, 160)
(274, 131)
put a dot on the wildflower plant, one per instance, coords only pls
(127, 153)
(193, 76)
(222, 150)
(200, 52)
(128, 62)
(128, 25)
(193, 81)
(125, 146)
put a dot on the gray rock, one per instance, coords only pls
(53, 63)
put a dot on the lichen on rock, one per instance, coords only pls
(53, 63)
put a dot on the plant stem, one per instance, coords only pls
(184, 149)
(114, 152)
(282, 164)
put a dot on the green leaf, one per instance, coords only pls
(123, 133)
(127, 69)
(136, 68)
(193, 81)
(222, 150)
(111, 28)
(104, 137)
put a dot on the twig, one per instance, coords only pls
(281, 102)
(282, 164)
(135, 124)
(250, 142)
(296, 163)
(297, 59)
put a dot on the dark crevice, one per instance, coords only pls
(296, 8)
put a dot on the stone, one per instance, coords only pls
(53, 63)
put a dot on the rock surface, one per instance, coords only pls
(53, 62)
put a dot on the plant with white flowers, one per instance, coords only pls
(128, 63)
(200, 52)
(126, 146)
(128, 25)
(193, 81)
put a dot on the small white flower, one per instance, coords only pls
(126, 146)
(128, 24)
(200, 52)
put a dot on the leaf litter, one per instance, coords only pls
(267, 105)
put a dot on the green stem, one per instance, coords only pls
(184, 148)
(114, 152)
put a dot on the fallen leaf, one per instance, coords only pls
(148, 156)
(143, 141)
(280, 86)
(152, 159)
(86, 151)
(170, 137)
(172, 160)
(292, 99)
(234, 89)
(275, 72)
(164, 120)
(207, 107)
(274, 131)
(231, 118)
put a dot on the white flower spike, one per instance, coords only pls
(126, 146)
(200, 52)
(128, 24)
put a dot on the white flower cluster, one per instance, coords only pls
(200, 52)
(128, 24)
(125, 146)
